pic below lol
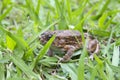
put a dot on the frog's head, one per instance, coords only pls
(45, 37)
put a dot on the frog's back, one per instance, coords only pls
(67, 33)
(63, 37)
(67, 37)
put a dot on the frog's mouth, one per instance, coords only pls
(42, 41)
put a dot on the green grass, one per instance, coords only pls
(22, 57)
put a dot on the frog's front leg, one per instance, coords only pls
(70, 50)
(50, 53)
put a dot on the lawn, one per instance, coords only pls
(23, 57)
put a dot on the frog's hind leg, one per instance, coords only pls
(70, 50)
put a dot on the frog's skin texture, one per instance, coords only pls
(68, 41)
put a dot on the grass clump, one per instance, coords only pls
(22, 57)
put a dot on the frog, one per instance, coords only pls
(69, 41)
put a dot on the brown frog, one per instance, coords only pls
(68, 41)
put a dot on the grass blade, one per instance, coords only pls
(2, 69)
(115, 57)
(38, 7)
(104, 7)
(110, 73)
(69, 10)
(102, 20)
(27, 70)
(80, 10)
(71, 69)
(43, 51)
(5, 13)
(94, 73)
(61, 14)
(108, 45)
(100, 68)
(79, 26)
(81, 67)
(15, 38)
(10, 43)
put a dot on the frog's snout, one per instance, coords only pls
(44, 38)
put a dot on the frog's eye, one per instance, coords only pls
(49, 36)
